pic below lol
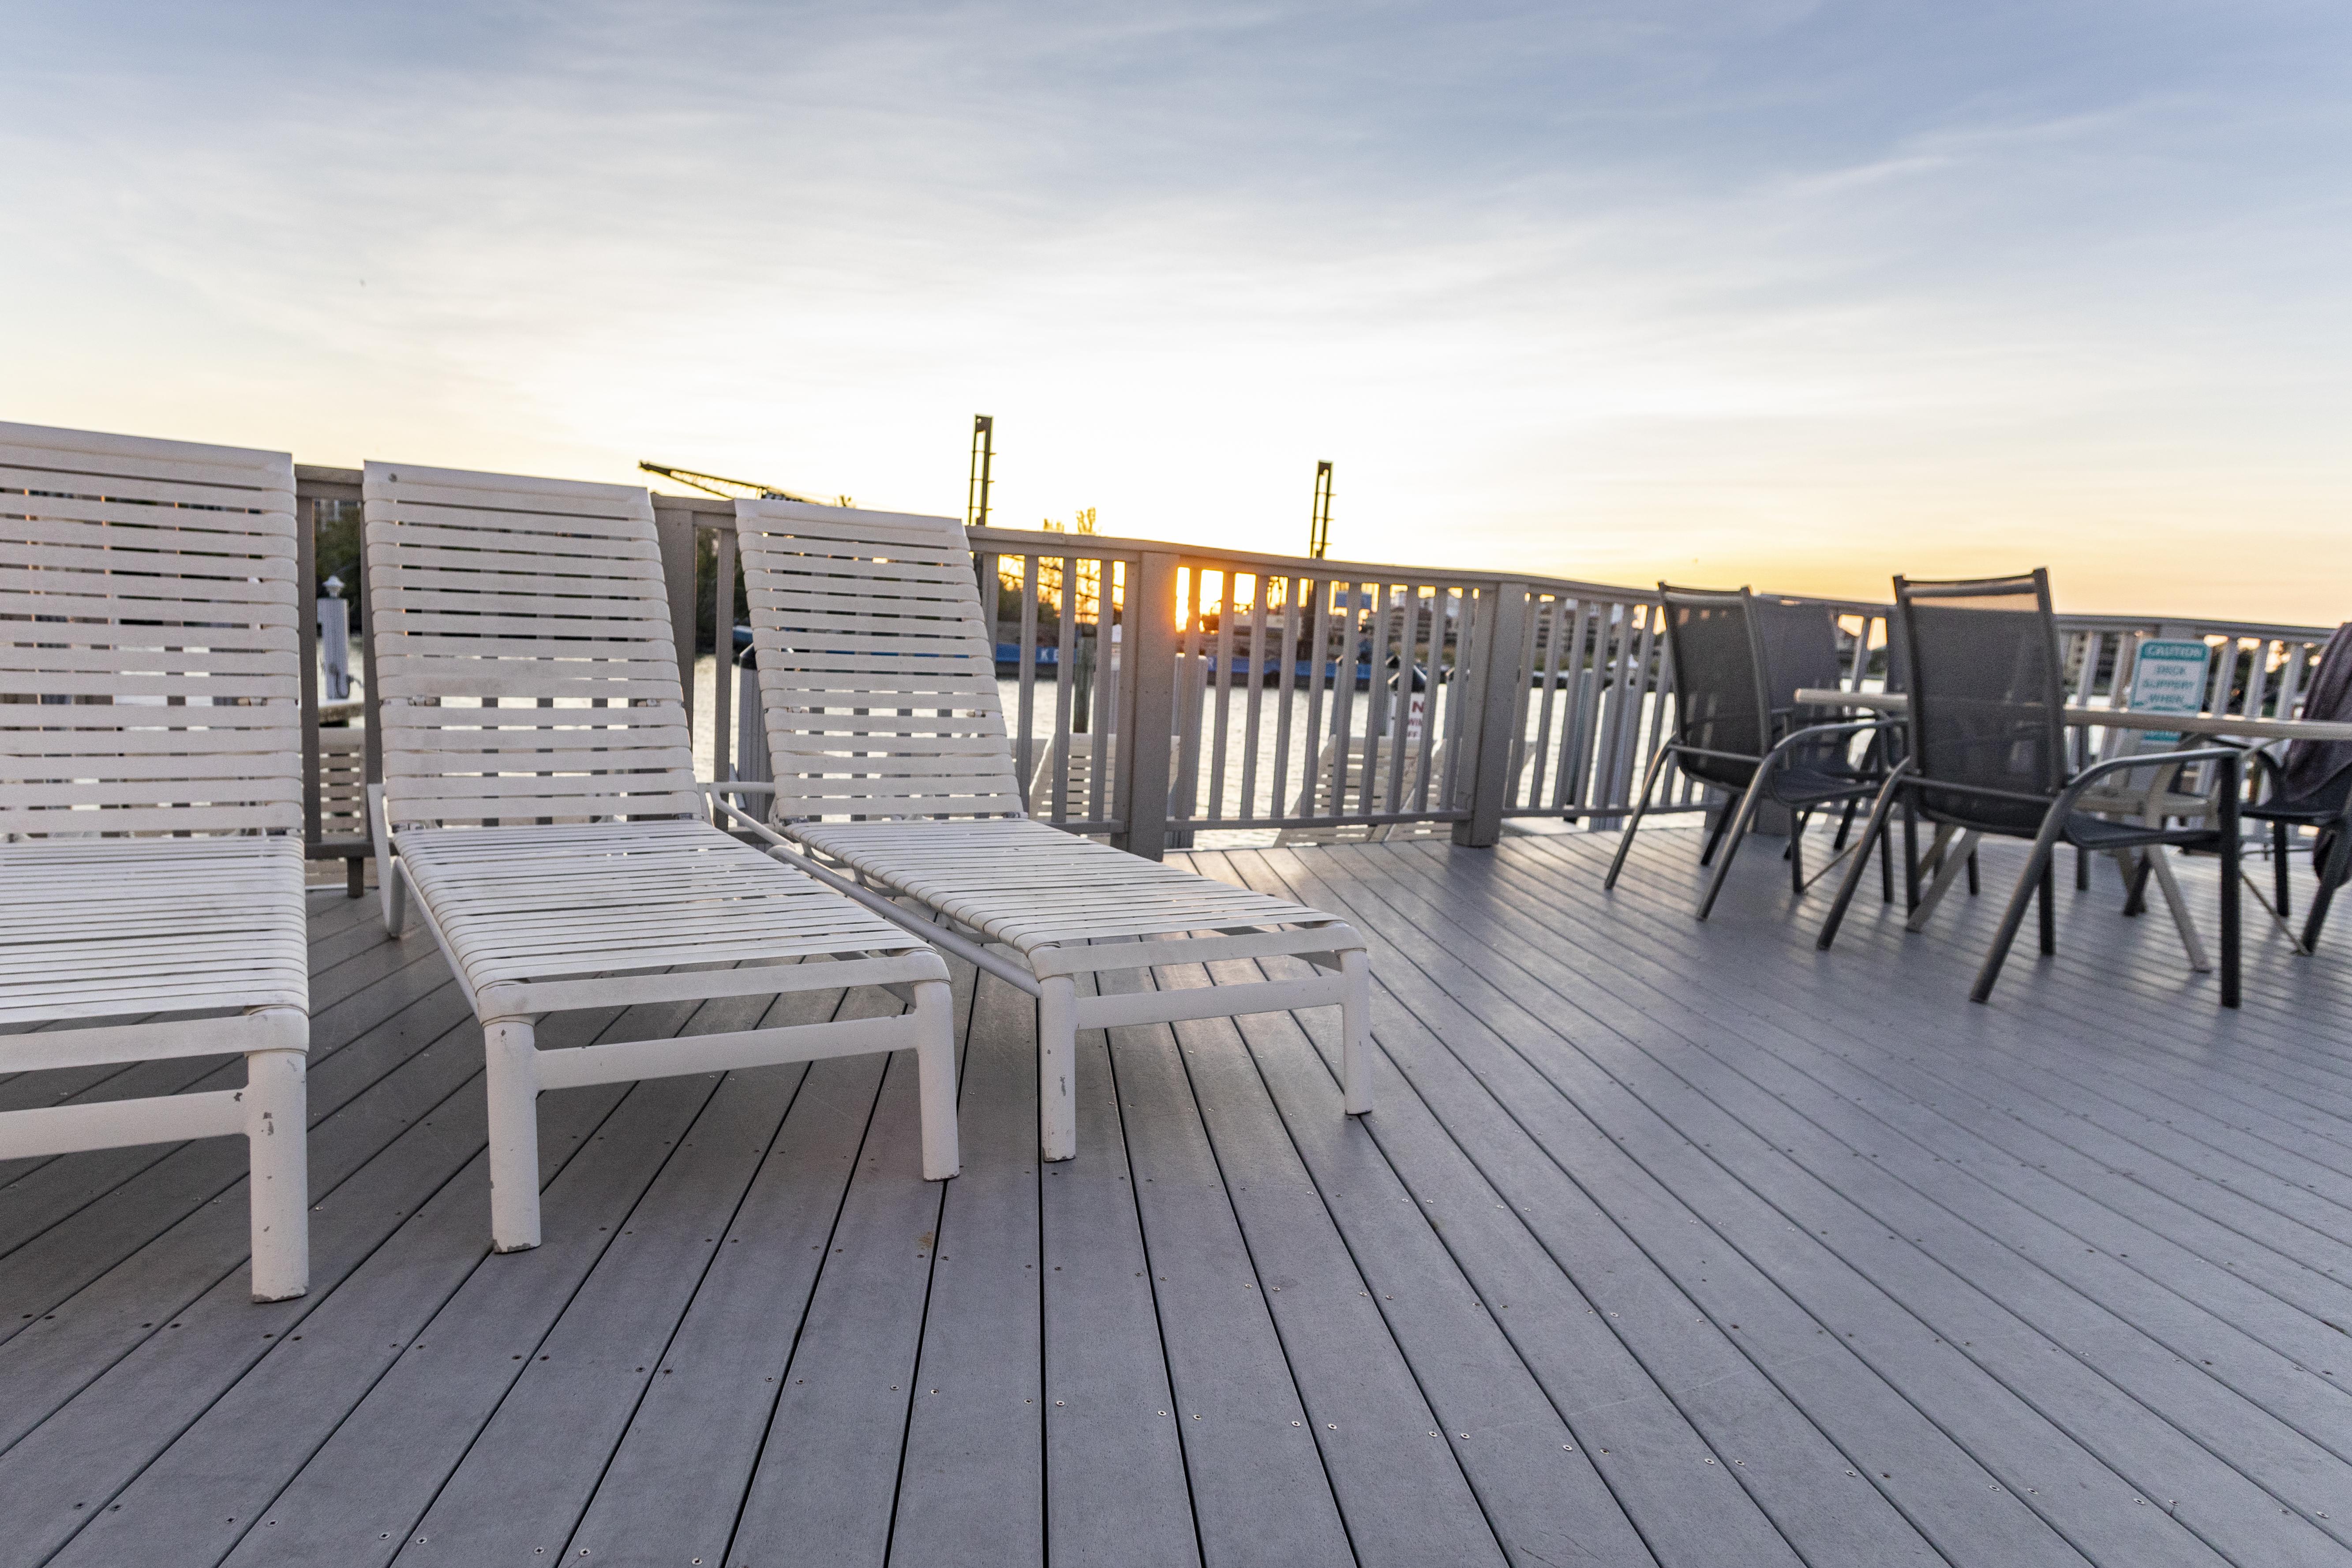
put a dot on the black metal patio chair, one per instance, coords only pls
(2312, 787)
(1989, 756)
(1737, 662)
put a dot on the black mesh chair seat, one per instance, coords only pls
(1738, 661)
(2329, 804)
(1801, 787)
(2310, 787)
(1988, 755)
(2101, 834)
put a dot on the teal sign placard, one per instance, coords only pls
(2169, 677)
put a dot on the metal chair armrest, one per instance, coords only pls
(2231, 758)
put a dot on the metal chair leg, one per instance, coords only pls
(1874, 828)
(2338, 868)
(1797, 853)
(1633, 825)
(2136, 887)
(1910, 856)
(2231, 787)
(1953, 851)
(2028, 884)
(1748, 801)
(2043, 897)
(2278, 867)
(1713, 838)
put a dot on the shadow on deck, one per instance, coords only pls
(1666, 1242)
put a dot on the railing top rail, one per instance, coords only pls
(713, 511)
(2273, 631)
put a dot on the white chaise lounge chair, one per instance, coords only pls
(539, 799)
(877, 684)
(151, 810)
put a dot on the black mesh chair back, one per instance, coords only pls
(2317, 768)
(1720, 698)
(1800, 645)
(1986, 699)
(1800, 649)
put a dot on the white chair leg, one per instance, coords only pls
(1058, 1070)
(935, 1060)
(277, 1134)
(512, 1071)
(1356, 1030)
(1950, 858)
(2181, 921)
(390, 889)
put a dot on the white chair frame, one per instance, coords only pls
(878, 691)
(151, 857)
(539, 803)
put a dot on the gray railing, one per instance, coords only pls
(1156, 690)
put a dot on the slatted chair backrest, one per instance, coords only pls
(150, 677)
(523, 653)
(878, 673)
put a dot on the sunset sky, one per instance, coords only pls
(1786, 293)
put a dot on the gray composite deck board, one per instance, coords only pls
(828, 1468)
(971, 1487)
(2160, 1160)
(1716, 1330)
(360, 1494)
(1401, 1489)
(1541, 1495)
(2048, 1223)
(1934, 1115)
(1260, 1490)
(525, 1481)
(2154, 1454)
(2007, 1121)
(1689, 1244)
(1116, 1488)
(1843, 1301)
(675, 1481)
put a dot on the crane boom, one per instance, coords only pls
(710, 484)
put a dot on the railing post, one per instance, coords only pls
(1496, 673)
(306, 640)
(1140, 787)
(722, 676)
(673, 527)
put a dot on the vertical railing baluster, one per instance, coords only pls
(1432, 691)
(1575, 724)
(1311, 744)
(1221, 678)
(1545, 616)
(1256, 662)
(1026, 689)
(1285, 683)
(1065, 647)
(1522, 667)
(1102, 719)
(1343, 702)
(722, 649)
(1454, 613)
(1182, 798)
(1380, 732)
(306, 641)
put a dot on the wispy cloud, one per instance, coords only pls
(1801, 292)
